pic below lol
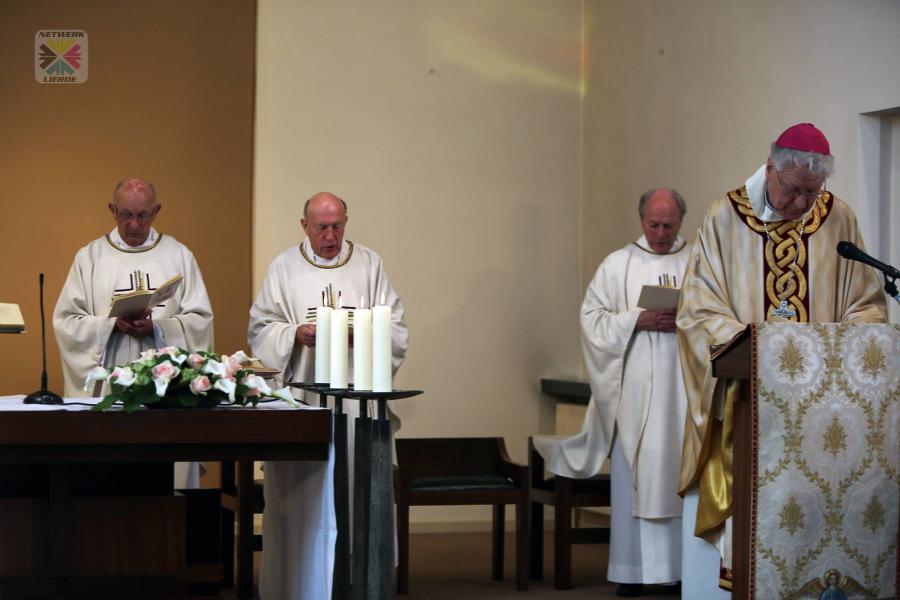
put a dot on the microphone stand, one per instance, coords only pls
(890, 288)
(43, 396)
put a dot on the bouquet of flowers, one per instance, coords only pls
(189, 379)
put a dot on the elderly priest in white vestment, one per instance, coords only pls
(765, 251)
(133, 256)
(637, 407)
(298, 525)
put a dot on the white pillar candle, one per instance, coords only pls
(362, 347)
(339, 351)
(381, 349)
(323, 344)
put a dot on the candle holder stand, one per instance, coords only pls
(371, 565)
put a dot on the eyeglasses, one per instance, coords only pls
(793, 192)
(143, 216)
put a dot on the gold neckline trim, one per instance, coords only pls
(334, 266)
(134, 250)
(680, 248)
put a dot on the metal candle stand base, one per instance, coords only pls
(372, 573)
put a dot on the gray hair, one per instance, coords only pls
(819, 165)
(679, 201)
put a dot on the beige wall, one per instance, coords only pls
(453, 131)
(169, 97)
(691, 93)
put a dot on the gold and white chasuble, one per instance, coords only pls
(635, 381)
(107, 267)
(736, 275)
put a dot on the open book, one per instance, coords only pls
(11, 320)
(658, 297)
(135, 302)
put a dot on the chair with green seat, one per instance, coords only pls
(461, 471)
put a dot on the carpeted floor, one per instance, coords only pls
(457, 566)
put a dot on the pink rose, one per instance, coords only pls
(195, 360)
(232, 364)
(200, 385)
(165, 370)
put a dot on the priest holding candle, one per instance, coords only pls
(298, 547)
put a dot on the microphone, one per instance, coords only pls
(851, 252)
(43, 396)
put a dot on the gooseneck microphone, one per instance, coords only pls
(43, 396)
(851, 252)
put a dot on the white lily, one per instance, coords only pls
(214, 367)
(95, 374)
(255, 382)
(146, 355)
(242, 358)
(177, 358)
(285, 394)
(162, 384)
(227, 386)
(123, 376)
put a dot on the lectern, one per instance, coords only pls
(815, 496)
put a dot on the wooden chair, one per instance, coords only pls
(564, 494)
(242, 497)
(461, 471)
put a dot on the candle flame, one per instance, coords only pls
(382, 299)
(362, 302)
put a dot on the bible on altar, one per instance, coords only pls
(135, 302)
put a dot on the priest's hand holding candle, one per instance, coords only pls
(382, 362)
(362, 347)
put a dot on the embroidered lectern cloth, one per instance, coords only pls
(826, 458)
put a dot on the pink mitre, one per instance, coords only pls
(804, 137)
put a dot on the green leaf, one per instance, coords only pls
(107, 401)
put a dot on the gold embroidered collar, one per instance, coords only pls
(135, 250)
(336, 265)
(674, 251)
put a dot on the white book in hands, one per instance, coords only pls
(659, 297)
(11, 320)
(141, 300)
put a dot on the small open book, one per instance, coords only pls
(135, 302)
(658, 297)
(11, 320)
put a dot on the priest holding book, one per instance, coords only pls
(637, 404)
(298, 523)
(132, 257)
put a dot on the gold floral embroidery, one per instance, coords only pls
(792, 361)
(873, 518)
(835, 438)
(873, 359)
(791, 516)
